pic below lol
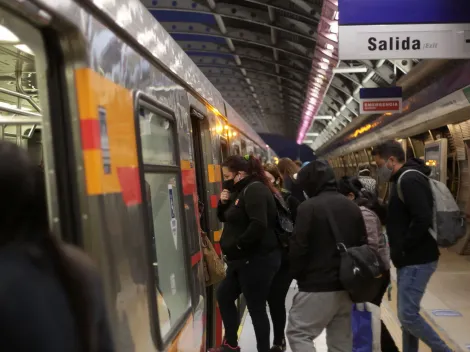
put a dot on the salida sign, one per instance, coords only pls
(404, 29)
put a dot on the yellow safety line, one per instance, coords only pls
(242, 322)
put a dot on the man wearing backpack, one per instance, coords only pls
(414, 250)
(315, 261)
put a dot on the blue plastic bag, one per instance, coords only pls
(362, 330)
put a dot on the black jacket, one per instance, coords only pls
(292, 203)
(314, 257)
(409, 222)
(249, 219)
(35, 314)
(294, 188)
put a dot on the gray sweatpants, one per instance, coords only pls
(312, 312)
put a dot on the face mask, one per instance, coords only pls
(384, 173)
(228, 184)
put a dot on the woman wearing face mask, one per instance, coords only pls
(282, 280)
(374, 215)
(250, 247)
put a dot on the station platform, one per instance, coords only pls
(446, 306)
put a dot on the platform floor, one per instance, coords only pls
(247, 339)
(446, 306)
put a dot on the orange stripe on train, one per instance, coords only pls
(96, 92)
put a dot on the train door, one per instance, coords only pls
(200, 134)
(33, 109)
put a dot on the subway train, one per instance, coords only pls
(131, 136)
(433, 126)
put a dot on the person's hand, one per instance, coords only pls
(224, 196)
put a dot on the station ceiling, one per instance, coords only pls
(265, 56)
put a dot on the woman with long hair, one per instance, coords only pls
(50, 294)
(289, 170)
(283, 279)
(249, 245)
(375, 216)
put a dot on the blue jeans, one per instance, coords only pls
(412, 282)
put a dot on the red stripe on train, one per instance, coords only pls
(130, 185)
(214, 200)
(196, 258)
(90, 131)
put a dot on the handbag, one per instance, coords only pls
(214, 269)
(366, 327)
(359, 270)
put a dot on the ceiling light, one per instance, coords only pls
(336, 16)
(312, 134)
(354, 69)
(323, 65)
(312, 100)
(329, 47)
(7, 36)
(319, 80)
(24, 48)
(324, 117)
(325, 60)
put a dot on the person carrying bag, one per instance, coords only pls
(214, 270)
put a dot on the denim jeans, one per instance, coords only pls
(412, 282)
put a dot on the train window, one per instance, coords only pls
(165, 214)
(158, 143)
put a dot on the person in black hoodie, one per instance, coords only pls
(283, 279)
(413, 250)
(250, 247)
(314, 261)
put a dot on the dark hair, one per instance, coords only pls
(23, 215)
(273, 170)
(362, 197)
(388, 149)
(287, 167)
(251, 165)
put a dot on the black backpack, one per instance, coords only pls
(360, 270)
(284, 224)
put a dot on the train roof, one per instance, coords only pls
(134, 18)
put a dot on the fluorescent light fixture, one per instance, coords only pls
(329, 47)
(334, 28)
(309, 141)
(342, 108)
(336, 16)
(7, 36)
(323, 65)
(312, 134)
(319, 80)
(325, 60)
(312, 100)
(356, 69)
(324, 117)
(338, 113)
(24, 48)
(350, 99)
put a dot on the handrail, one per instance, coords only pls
(13, 120)
(21, 96)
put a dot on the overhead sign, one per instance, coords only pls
(404, 29)
(380, 100)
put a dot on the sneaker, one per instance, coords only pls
(225, 347)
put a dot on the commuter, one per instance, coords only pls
(314, 261)
(369, 183)
(283, 279)
(50, 293)
(375, 215)
(250, 247)
(298, 163)
(289, 170)
(414, 250)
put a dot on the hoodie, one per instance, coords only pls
(313, 255)
(409, 222)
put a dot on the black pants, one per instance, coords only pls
(253, 278)
(277, 302)
(386, 340)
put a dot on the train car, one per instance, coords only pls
(131, 136)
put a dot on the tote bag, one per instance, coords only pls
(214, 270)
(366, 327)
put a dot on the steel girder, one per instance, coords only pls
(259, 54)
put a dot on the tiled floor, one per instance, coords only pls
(248, 340)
